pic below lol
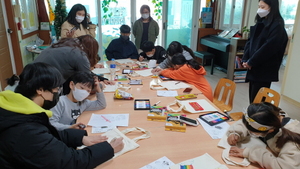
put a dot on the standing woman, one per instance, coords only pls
(79, 19)
(145, 28)
(265, 48)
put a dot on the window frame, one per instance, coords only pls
(222, 14)
(27, 32)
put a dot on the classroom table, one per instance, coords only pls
(177, 146)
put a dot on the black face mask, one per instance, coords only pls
(49, 104)
(125, 37)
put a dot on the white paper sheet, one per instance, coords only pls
(111, 88)
(99, 120)
(146, 72)
(162, 163)
(248, 142)
(98, 71)
(173, 85)
(122, 61)
(207, 107)
(216, 131)
(204, 162)
(101, 129)
(167, 93)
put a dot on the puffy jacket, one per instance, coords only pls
(27, 140)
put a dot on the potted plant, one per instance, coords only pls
(245, 32)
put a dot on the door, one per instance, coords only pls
(6, 69)
(181, 23)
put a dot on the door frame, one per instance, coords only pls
(13, 40)
(195, 23)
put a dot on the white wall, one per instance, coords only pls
(252, 13)
(291, 82)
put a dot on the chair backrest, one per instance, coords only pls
(267, 95)
(223, 94)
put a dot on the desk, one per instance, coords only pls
(176, 146)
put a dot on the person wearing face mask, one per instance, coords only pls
(77, 23)
(281, 135)
(265, 47)
(122, 48)
(71, 106)
(150, 51)
(28, 140)
(145, 28)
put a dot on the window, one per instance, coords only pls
(288, 11)
(28, 16)
(231, 14)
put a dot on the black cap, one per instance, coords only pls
(125, 29)
(147, 46)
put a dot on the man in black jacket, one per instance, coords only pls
(152, 52)
(122, 48)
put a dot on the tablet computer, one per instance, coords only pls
(142, 104)
(163, 78)
(213, 118)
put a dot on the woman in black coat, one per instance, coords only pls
(265, 48)
(28, 140)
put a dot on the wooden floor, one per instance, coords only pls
(241, 98)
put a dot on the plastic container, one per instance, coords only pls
(112, 69)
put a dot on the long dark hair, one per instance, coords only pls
(274, 12)
(72, 14)
(176, 47)
(85, 43)
(179, 59)
(267, 114)
(37, 76)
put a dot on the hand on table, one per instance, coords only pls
(156, 70)
(91, 140)
(117, 144)
(109, 82)
(77, 126)
(233, 139)
(98, 65)
(141, 58)
(236, 152)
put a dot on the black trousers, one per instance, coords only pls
(254, 87)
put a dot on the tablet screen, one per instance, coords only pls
(213, 118)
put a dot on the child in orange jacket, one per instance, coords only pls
(191, 72)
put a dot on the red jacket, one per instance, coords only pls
(191, 76)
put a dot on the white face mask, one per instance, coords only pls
(145, 15)
(150, 55)
(255, 135)
(80, 94)
(262, 12)
(79, 19)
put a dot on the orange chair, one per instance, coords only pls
(267, 95)
(223, 94)
(264, 95)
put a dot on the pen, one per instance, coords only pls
(156, 103)
(177, 83)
